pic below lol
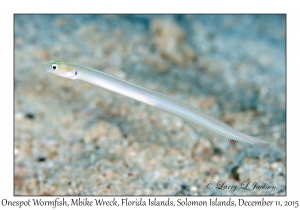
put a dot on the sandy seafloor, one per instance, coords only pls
(73, 138)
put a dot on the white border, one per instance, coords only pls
(54, 6)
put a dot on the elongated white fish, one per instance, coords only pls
(206, 124)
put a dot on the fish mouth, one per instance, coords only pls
(47, 67)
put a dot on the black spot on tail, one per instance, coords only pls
(232, 142)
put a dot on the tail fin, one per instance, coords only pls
(262, 143)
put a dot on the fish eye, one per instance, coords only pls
(54, 66)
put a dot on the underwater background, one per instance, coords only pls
(73, 138)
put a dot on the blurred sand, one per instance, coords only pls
(72, 138)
